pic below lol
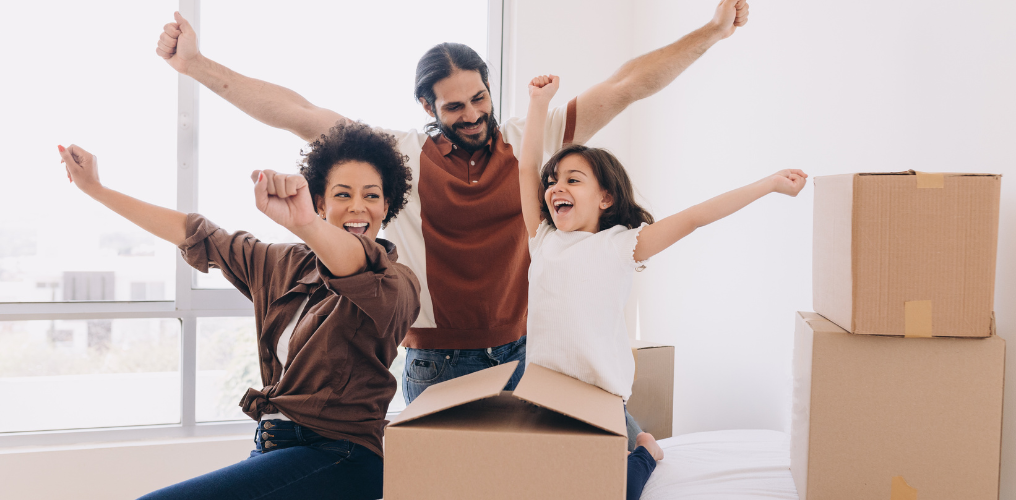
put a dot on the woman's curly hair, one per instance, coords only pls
(612, 177)
(356, 141)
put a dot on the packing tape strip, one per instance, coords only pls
(930, 181)
(917, 318)
(901, 490)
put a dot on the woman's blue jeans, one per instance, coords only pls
(289, 462)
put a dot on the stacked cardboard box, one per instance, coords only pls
(877, 412)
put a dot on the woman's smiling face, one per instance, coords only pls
(574, 196)
(353, 198)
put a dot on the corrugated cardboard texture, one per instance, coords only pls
(926, 409)
(832, 281)
(563, 394)
(907, 244)
(652, 394)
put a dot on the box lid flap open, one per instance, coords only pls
(819, 323)
(458, 391)
(568, 396)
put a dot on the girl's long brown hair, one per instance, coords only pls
(612, 178)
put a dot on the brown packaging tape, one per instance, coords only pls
(930, 181)
(901, 490)
(917, 318)
(635, 355)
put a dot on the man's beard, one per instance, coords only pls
(468, 142)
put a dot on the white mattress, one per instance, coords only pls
(723, 465)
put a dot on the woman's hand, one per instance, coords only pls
(284, 198)
(543, 88)
(788, 182)
(82, 168)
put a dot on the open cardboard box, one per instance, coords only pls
(906, 253)
(879, 417)
(553, 437)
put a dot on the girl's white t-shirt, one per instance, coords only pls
(579, 283)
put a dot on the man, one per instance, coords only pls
(462, 231)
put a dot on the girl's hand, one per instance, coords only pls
(82, 168)
(788, 182)
(543, 88)
(284, 198)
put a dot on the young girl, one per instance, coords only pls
(587, 235)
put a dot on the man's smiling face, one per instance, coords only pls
(462, 106)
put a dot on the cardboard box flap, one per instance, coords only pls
(914, 172)
(643, 344)
(819, 323)
(458, 391)
(568, 396)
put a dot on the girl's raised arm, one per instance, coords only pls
(165, 223)
(654, 238)
(541, 90)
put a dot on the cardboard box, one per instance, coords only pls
(906, 253)
(652, 395)
(553, 437)
(874, 416)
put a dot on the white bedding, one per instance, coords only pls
(723, 465)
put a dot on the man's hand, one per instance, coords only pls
(284, 198)
(543, 88)
(730, 15)
(82, 168)
(788, 182)
(178, 44)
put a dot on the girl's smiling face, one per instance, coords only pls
(574, 196)
(353, 198)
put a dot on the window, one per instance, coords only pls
(105, 333)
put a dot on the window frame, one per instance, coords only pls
(190, 302)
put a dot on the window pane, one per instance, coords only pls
(89, 373)
(357, 58)
(74, 74)
(228, 365)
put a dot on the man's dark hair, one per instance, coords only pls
(612, 178)
(355, 141)
(439, 63)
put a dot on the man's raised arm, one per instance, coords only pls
(270, 104)
(649, 73)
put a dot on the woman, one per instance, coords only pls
(330, 313)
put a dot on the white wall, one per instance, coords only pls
(829, 87)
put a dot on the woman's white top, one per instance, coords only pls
(282, 352)
(579, 283)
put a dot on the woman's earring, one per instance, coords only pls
(323, 217)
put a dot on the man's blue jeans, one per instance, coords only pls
(289, 462)
(426, 367)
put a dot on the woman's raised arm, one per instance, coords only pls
(165, 223)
